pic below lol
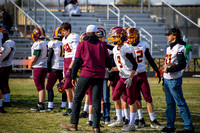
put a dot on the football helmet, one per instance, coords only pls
(57, 33)
(101, 32)
(110, 39)
(38, 33)
(133, 36)
(60, 86)
(82, 36)
(4, 35)
(119, 33)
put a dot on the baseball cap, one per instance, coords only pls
(92, 28)
(173, 31)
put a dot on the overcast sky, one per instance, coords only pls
(172, 2)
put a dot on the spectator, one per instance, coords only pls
(174, 63)
(73, 9)
(92, 56)
(7, 20)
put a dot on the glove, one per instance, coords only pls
(128, 82)
(158, 75)
(68, 73)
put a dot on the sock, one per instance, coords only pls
(132, 118)
(119, 114)
(152, 116)
(90, 117)
(140, 115)
(126, 113)
(123, 114)
(101, 111)
(50, 105)
(86, 107)
(70, 104)
(1, 102)
(63, 104)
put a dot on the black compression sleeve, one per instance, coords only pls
(151, 61)
(49, 59)
(181, 63)
(132, 60)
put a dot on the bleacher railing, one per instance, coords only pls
(114, 12)
(143, 33)
(45, 15)
(30, 21)
(128, 22)
(149, 38)
(188, 27)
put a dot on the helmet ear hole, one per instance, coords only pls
(38, 33)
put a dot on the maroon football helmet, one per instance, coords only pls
(82, 36)
(60, 86)
(133, 36)
(101, 32)
(120, 33)
(38, 33)
(57, 33)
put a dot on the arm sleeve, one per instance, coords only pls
(49, 59)
(75, 67)
(151, 61)
(37, 52)
(130, 57)
(181, 63)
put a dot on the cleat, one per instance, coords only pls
(84, 114)
(126, 122)
(156, 124)
(168, 130)
(141, 123)
(6, 104)
(136, 123)
(102, 118)
(128, 127)
(69, 126)
(63, 110)
(2, 110)
(114, 119)
(49, 110)
(107, 122)
(187, 131)
(89, 123)
(117, 123)
(69, 112)
(39, 107)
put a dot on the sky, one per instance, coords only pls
(172, 2)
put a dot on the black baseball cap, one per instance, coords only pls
(174, 31)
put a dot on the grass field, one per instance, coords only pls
(20, 119)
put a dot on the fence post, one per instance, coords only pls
(142, 10)
(35, 10)
(173, 20)
(15, 17)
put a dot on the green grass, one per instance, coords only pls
(20, 119)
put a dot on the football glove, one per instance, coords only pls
(128, 82)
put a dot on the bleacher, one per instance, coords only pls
(97, 17)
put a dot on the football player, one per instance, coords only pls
(141, 51)
(55, 63)
(174, 63)
(113, 79)
(6, 66)
(70, 42)
(126, 65)
(38, 63)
